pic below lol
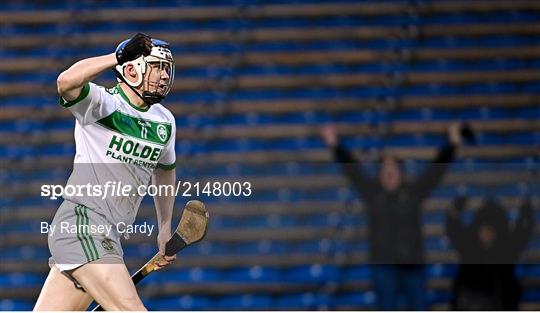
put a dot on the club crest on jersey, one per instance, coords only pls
(162, 132)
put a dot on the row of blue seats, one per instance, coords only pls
(326, 45)
(322, 92)
(289, 46)
(304, 301)
(443, 66)
(227, 72)
(372, 118)
(490, 41)
(194, 173)
(242, 24)
(318, 94)
(17, 5)
(275, 248)
(186, 3)
(286, 170)
(12, 5)
(297, 301)
(297, 274)
(295, 169)
(252, 145)
(245, 23)
(302, 118)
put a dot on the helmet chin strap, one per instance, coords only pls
(151, 97)
(148, 97)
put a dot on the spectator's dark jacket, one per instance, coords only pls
(486, 276)
(395, 232)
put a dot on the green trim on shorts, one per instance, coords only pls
(85, 212)
(79, 236)
(87, 242)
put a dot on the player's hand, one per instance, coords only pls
(329, 136)
(162, 239)
(454, 134)
(140, 44)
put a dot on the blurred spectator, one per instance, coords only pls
(393, 207)
(488, 249)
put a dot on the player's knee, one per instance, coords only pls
(128, 304)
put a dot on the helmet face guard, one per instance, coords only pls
(160, 59)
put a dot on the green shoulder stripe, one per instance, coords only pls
(166, 167)
(84, 93)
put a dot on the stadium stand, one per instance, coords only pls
(255, 83)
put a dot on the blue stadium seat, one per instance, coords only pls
(244, 302)
(16, 305)
(358, 300)
(185, 302)
(303, 301)
(19, 279)
(356, 272)
(314, 273)
(253, 274)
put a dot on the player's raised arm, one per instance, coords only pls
(71, 81)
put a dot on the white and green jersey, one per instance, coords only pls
(117, 144)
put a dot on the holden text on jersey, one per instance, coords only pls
(129, 151)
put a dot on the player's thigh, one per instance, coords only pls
(60, 294)
(109, 283)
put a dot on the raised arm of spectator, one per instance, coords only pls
(350, 167)
(432, 176)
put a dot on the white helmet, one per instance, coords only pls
(161, 54)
